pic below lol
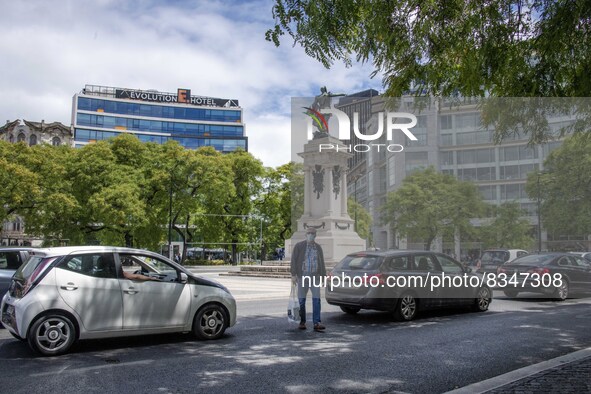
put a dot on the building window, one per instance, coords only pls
(488, 192)
(485, 173)
(446, 122)
(446, 158)
(33, 140)
(416, 161)
(468, 121)
(21, 137)
(56, 141)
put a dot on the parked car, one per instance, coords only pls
(61, 295)
(558, 275)
(403, 301)
(585, 255)
(492, 259)
(11, 258)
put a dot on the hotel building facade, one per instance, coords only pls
(102, 112)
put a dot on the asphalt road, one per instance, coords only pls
(367, 352)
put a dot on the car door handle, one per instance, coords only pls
(131, 290)
(69, 286)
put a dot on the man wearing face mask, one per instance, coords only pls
(307, 260)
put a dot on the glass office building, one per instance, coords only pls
(451, 139)
(101, 112)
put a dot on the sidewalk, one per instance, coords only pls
(567, 374)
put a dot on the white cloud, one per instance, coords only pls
(51, 49)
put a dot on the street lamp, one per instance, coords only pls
(355, 179)
(539, 216)
(355, 191)
(170, 256)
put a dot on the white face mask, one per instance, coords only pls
(310, 237)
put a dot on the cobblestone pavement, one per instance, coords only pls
(574, 377)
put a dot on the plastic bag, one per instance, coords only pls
(293, 306)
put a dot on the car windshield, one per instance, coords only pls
(364, 262)
(533, 259)
(495, 256)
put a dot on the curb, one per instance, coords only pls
(518, 374)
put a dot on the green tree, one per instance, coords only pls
(564, 187)
(466, 48)
(273, 205)
(201, 184)
(519, 48)
(508, 228)
(55, 207)
(246, 180)
(362, 217)
(20, 186)
(430, 204)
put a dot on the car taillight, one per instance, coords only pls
(538, 270)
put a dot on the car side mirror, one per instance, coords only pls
(184, 278)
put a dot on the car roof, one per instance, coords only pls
(17, 248)
(389, 252)
(549, 254)
(65, 250)
(504, 250)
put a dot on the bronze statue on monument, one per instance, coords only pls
(323, 100)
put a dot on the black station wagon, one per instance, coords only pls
(404, 282)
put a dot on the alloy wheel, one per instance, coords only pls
(407, 307)
(52, 335)
(210, 322)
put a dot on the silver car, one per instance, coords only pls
(61, 295)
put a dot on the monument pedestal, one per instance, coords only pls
(325, 201)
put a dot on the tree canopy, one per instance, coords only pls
(518, 48)
(564, 187)
(124, 192)
(508, 228)
(430, 204)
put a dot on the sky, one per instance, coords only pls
(50, 49)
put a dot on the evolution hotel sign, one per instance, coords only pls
(183, 96)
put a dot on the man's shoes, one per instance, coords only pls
(319, 327)
(302, 326)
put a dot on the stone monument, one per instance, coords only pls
(325, 193)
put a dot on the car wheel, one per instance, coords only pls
(210, 322)
(350, 310)
(406, 308)
(511, 293)
(52, 335)
(482, 301)
(561, 292)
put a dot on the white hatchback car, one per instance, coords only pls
(64, 294)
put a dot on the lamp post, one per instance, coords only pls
(170, 219)
(539, 217)
(355, 179)
(355, 191)
(170, 256)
